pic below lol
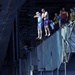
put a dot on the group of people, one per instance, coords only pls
(42, 19)
(61, 19)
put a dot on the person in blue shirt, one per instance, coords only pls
(39, 24)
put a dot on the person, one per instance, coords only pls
(45, 17)
(72, 18)
(52, 24)
(56, 20)
(59, 17)
(39, 26)
(72, 15)
(64, 17)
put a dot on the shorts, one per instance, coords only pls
(46, 22)
(39, 25)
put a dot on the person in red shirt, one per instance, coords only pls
(64, 17)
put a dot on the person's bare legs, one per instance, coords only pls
(47, 29)
(40, 35)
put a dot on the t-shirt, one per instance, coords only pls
(56, 20)
(40, 19)
(64, 15)
(72, 16)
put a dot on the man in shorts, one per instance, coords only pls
(45, 17)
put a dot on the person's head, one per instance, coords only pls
(37, 13)
(55, 14)
(63, 9)
(43, 10)
(71, 10)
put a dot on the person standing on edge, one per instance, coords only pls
(39, 26)
(64, 17)
(56, 21)
(45, 17)
(72, 18)
(72, 15)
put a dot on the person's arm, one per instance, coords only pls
(35, 16)
(67, 15)
(46, 13)
(42, 15)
